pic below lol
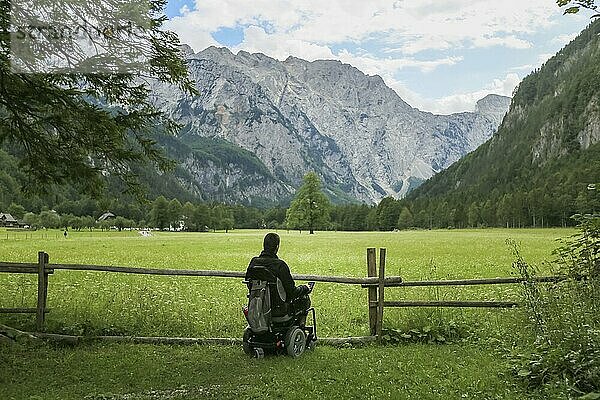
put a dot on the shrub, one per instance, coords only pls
(565, 345)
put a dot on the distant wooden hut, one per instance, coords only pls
(107, 216)
(8, 221)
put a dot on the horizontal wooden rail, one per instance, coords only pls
(478, 304)
(148, 271)
(18, 265)
(14, 333)
(467, 282)
(343, 279)
(33, 268)
(21, 310)
(22, 268)
(214, 273)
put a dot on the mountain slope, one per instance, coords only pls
(543, 157)
(362, 139)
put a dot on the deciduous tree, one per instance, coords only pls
(16, 210)
(310, 207)
(175, 212)
(388, 212)
(49, 219)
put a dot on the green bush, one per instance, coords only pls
(564, 348)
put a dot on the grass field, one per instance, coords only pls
(96, 302)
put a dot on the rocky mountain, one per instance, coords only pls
(259, 124)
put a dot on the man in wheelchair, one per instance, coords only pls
(277, 309)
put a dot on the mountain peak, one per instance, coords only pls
(186, 50)
(213, 52)
(492, 102)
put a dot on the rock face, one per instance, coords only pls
(356, 133)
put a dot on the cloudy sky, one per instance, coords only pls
(438, 55)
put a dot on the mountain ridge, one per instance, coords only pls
(361, 138)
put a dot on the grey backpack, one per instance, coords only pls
(259, 306)
(259, 314)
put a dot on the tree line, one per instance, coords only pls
(311, 210)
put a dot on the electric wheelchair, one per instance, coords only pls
(275, 325)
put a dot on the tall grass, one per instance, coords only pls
(563, 348)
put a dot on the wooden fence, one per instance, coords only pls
(19, 235)
(42, 269)
(376, 291)
(375, 283)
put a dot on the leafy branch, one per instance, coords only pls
(573, 7)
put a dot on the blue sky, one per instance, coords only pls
(439, 56)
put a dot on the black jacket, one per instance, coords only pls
(281, 270)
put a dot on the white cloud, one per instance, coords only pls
(256, 39)
(398, 34)
(411, 26)
(191, 32)
(418, 44)
(279, 46)
(541, 59)
(511, 42)
(564, 39)
(387, 67)
(524, 67)
(457, 102)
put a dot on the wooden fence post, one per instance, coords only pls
(43, 259)
(380, 296)
(372, 272)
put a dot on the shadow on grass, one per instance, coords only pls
(128, 371)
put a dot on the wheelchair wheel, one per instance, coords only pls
(310, 346)
(245, 341)
(295, 341)
(259, 353)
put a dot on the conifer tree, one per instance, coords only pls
(405, 220)
(74, 125)
(159, 215)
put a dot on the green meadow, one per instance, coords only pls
(466, 362)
